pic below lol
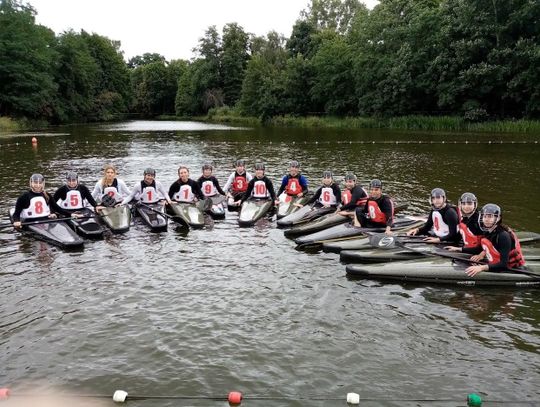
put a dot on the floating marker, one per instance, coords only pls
(119, 396)
(353, 398)
(474, 400)
(4, 394)
(235, 397)
(34, 140)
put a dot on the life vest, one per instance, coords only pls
(38, 208)
(347, 194)
(468, 237)
(73, 200)
(149, 193)
(240, 183)
(208, 188)
(515, 257)
(293, 186)
(440, 227)
(112, 191)
(259, 189)
(374, 211)
(327, 196)
(184, 194)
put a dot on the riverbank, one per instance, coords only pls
(424, 123)
(7, 124)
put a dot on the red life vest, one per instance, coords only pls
(240, 183)
(375, 213)
(515, 258)
(346, 196)
(293, 186)
(469, 238)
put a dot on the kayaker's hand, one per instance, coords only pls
(388, 232)
(300, 195)
(276, 202)
(412, 232)
(53, 216)
(17, 224)
(432, 240)
(99, 207)
(478, 257)
(474, 270)
(236, 203)
(76, 215)
(453, 248)
(298, 205)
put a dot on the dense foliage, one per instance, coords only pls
(475, 59)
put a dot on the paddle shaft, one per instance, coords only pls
(38, 222)
(155, 210)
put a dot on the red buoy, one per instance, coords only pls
(34, 140)
(235, 397)
(4, 394)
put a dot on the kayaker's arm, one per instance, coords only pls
(197, 191)
(218, 187)
(284, 182)
(452, 220)
(270, 188)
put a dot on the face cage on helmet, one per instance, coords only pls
(483, 226)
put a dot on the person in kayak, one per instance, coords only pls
(208, 184)
(378, 212)
(73, 195)
(110, 185)
(442, 220)
(36, 204)
(468, 226)
(354, 196)
(149, 190)
(294, 183)
(328, 195)
(184, 189)
(238, 181)
(260, 187)
(498, 244)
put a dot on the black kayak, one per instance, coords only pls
(252, 210)
(438, 270)
(287, 204)
(53, 231)
(87, 226)
(364, 243)
(191, 214)
(349, 231)
(117, 218)
(152, 215)
(215, 206)
(310, 219)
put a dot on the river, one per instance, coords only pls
(224, 308)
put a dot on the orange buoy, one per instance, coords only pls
(235, 397)
(4, 394)
(34, 140)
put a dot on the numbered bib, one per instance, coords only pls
(113, 193)
(259, 190)
(208, 188)
(440, 228)
(149, 195)
(37, 209)
(73, 200)
(184, 195)
(327, 197)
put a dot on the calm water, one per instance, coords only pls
(220, 309)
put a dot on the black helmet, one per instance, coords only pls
(470, 198)
(294, 164)
(490, 209)
(259, 166)
(239, 163)
(72, 176)
(375, 183)
(327, 174)
(150, 171)
(207, 166)
(350, 177)
(108, 201)
(38, 178)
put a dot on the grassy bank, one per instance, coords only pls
(7, 124)
(429, 123)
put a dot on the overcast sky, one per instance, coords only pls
(169, 27)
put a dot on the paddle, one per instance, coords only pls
(166, 215)
(383, 241)
(52, 220)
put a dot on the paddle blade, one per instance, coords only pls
(382, 241)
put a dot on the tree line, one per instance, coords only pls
(475, 59)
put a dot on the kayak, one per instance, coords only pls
(188, 213)
(118, 218)
(420, 250)
(348, 230)
(87, 227)
(252, 210)
(231, 207)
(310, 219)
(152, 215)
(287, 204)
(53, 231)
(363, 243)
(215, 206)
(443, 271)
(320, 221)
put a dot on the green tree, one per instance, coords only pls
(335, 15)
(145, 59)
(234, 58)
(302, 40)
(27, 65)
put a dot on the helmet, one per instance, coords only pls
(436, 192)
(207, 166)
(150, 171)
(350, 177)
(37, 178)
(240, 163)
(327, 174)
(108, 201)
(468, 197)
(493, 210)
(72, 176)
(294, 164)
(259, 166)
(375, 183)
